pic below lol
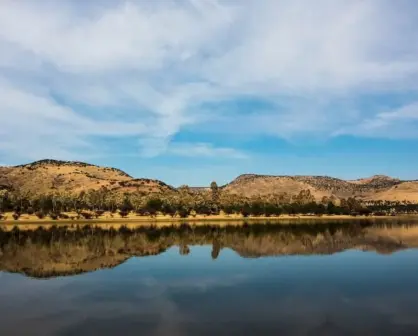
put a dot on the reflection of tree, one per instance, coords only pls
(216, 249)
(71, 250)
(184, 250)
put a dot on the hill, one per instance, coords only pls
(377, 187)
(405, 191)
(46, 176)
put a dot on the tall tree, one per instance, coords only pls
(3, 200)
(215, 191)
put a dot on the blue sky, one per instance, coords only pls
(201, 90)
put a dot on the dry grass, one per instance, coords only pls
(406, 191)
(162, 220)
(73, 178)
(271, 184)
(375, 188)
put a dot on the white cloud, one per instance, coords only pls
(204, 150)
(38, 127)
(72, 72)
(126, 36)
(398, 123)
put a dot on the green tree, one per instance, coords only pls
(3, 199)
(214, 191)
(153, 206)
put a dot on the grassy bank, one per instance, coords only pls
(162, 220)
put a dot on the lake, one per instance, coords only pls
(315, 278)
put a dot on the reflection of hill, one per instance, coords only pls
(61, 251)
(322, 243)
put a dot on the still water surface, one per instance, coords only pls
(354, 278)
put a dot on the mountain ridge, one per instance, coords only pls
(50, 175)
(380, 187)
(47, 175)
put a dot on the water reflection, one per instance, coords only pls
(260, 279)
(61, 250)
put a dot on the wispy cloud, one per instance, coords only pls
(397, 123)
(205, 150)
(72, 72)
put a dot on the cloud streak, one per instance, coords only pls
(397, 123)
(73, 72)
(205, 150)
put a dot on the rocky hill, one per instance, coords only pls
(47, 176)
(70, 176)
(377, 187)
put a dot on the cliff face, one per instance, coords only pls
(63, 251)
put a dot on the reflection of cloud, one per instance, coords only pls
(154, 298)
(204, 283)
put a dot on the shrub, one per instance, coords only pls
(193, 213)
(98, 213)
(1, 216)
(16, 215)
(30, 211)
(64, 216)
(123, 213)
(379, 213)
(53, 216)
(228, 210)
(245, 213)
(140, 212)
(40, 214)
(246, 210)
(167, 209)
(183, 212)
(86, 215)
(364, 211)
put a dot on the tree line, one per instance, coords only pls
(185, 202)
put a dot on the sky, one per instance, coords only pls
(199, 90)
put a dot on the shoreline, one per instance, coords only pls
(220, 220)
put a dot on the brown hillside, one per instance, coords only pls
(253, 185)
(47, 176)
(405, 191)
(377, 180)
(377, 187)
